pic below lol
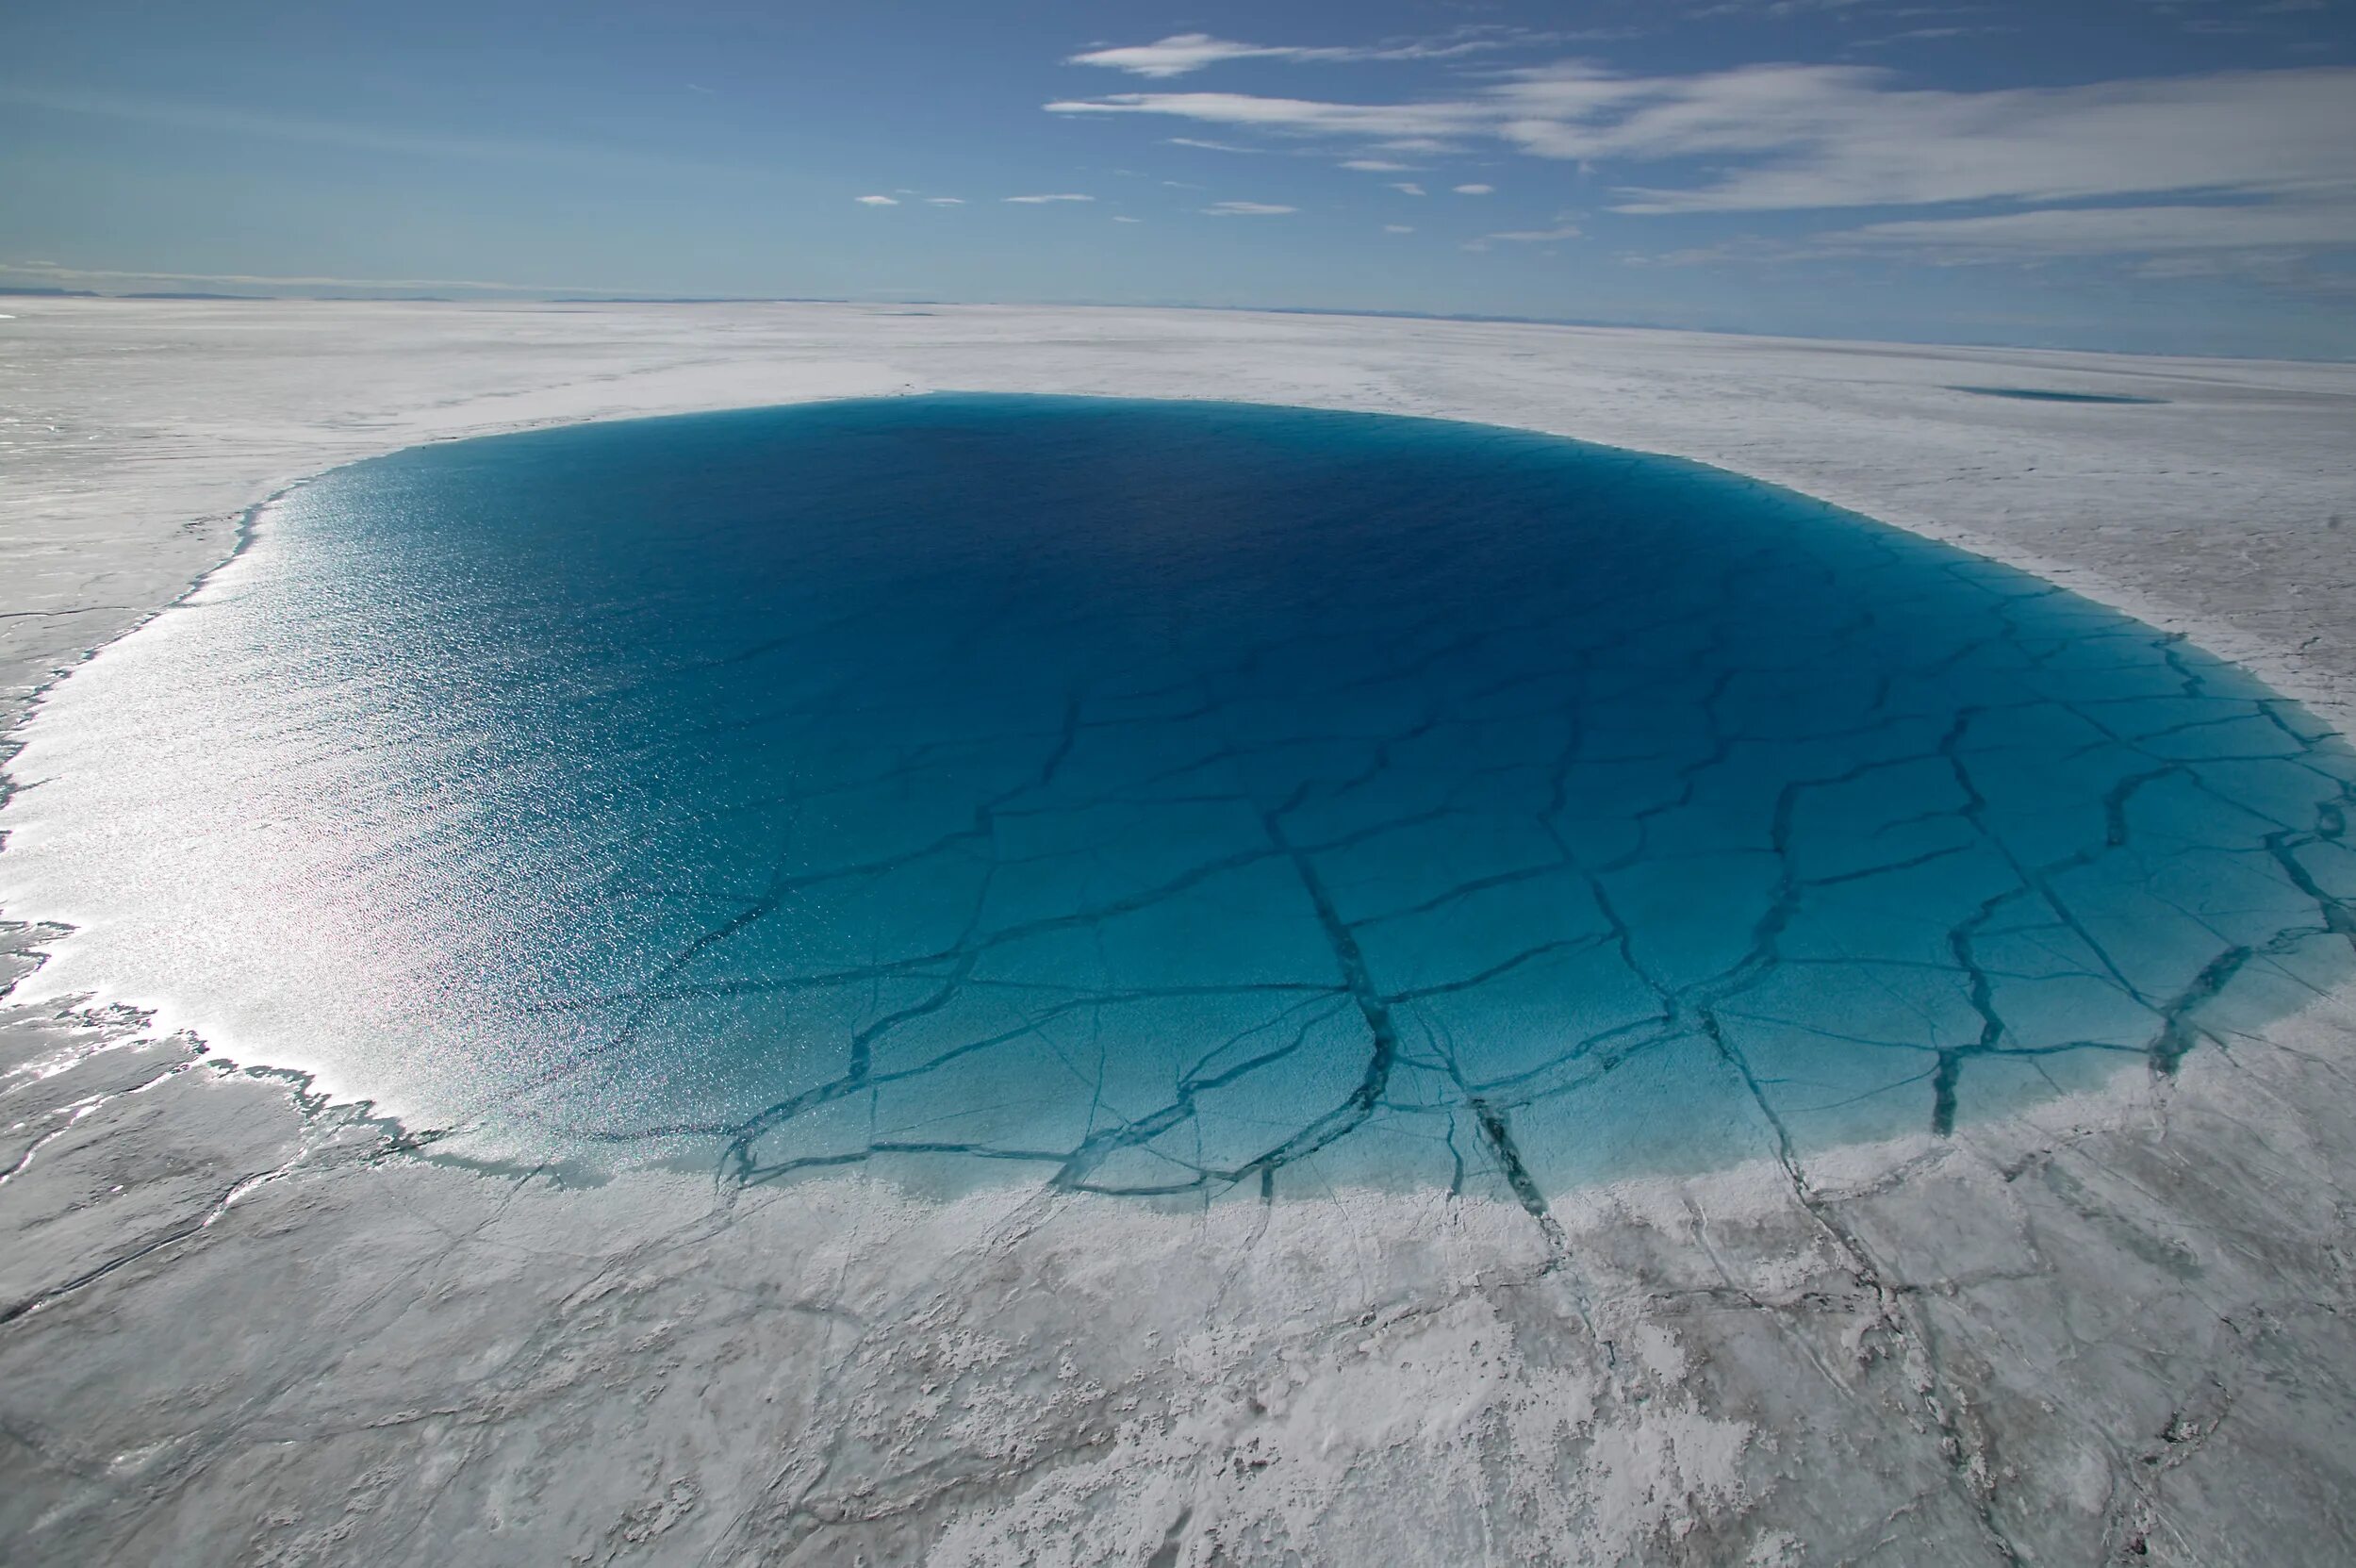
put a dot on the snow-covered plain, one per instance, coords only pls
(239, 1326)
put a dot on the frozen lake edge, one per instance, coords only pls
(256, 1329)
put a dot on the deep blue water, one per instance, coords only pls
(1165, 797)
(2039, 394)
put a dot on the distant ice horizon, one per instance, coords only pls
(496, 294)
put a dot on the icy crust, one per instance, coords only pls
(2113, 1331)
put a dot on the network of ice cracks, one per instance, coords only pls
(1654, 859)
(1482, 995)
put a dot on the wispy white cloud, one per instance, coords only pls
(877, 201)
(1827, 136)
(1247, 209)
(1398, 228)
(1376, 165)
(1042, 200)
(2104, 230)
(1209, 146)
(1795, 137)
(1532, 237)
(1124, 217)
(1406, 188)
(944, 201)
(1476, 189)
(1184, 53)
(1302, 115)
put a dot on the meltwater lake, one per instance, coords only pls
(1162, 798)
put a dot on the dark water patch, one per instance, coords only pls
(1165, 799)
(2040, 394)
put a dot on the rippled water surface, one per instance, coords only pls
(1158, 797)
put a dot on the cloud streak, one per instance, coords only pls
(1836, 137)
(1797, 138)
(1184, 53)
(2101, 230)
(1306, 116)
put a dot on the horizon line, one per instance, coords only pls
(535, 297)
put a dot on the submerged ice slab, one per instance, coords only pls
(1149, 798)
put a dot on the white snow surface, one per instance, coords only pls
(240, 1326)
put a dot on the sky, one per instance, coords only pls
(2146, 176)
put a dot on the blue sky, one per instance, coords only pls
(2171, 175)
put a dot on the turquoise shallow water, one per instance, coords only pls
(1153, 796)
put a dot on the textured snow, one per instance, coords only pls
(240, 1326)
